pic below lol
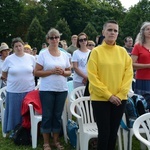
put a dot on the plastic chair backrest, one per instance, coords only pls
(143, 123)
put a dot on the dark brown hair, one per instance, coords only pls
(16, 40)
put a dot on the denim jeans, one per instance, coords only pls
(52, 108)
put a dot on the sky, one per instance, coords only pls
(128, 3)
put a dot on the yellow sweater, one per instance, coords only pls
(110, 72)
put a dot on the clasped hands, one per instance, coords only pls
(115, 100)
(58, 70)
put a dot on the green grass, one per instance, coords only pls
(7, 144)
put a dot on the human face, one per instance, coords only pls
(18, 47)
(53, 40)
(111, 33)
(90, 46)
(5, 53)
(147, 32)
(129, 42)
(83, 40)
(27, 50)
(74, 40)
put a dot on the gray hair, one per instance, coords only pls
(141, 37)
(52, 32)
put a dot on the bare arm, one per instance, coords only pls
(78, 71)
(136, 65)
(4, 76)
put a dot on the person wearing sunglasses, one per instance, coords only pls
(91, 44)
(79, 60)
(110, 75)
(53, 68)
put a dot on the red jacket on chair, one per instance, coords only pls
(34, 99)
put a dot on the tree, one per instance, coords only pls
(63, 28)
(90, 31)
(135, 17)
(9, 18)
(76, 13)
(35, 35)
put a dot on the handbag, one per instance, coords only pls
(72, 129)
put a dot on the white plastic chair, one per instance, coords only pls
(142, 125)
(66, 110)
(76, 93)
(128, 135)
(2, 108)
(81, 108)
(35, 119)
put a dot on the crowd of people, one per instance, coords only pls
(108, 68)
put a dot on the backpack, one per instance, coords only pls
(22, 135)
(72, 129)
(140, 104)
(135, 106)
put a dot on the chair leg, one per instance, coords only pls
(34, 135)
(119, 139)
(125, 139)
(64, 123)
(84, 142)
(130, 138)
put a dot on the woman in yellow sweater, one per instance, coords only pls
(110, 76)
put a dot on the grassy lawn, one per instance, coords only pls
(7, 144)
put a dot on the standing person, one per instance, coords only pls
(17, 69)
(4, 51)
(110, 75)
(73, 46)
(53, 67)
(79, 60)
(128, 44)
(141, 60)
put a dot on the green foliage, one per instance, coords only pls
(76, 13)
(90, 31)
(9, 19)
(17, 15)
(63, 28)
(135, 17)
(35, 35)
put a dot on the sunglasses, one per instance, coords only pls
(81, 40)
(53, 37)
(91, 45)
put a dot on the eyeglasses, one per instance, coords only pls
(81, 40)
(91, 45)
(53, 37)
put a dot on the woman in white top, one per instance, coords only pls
(17, 69)
(79, 60)
(53, 68)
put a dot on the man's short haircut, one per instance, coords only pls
(128, 37)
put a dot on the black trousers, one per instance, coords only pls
(107, 117)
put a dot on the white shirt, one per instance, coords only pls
(81, 58)
(20, 77)
(53, 82)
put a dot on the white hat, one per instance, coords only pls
(4, 47)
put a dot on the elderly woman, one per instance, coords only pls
(17, 69)
(53, 67)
